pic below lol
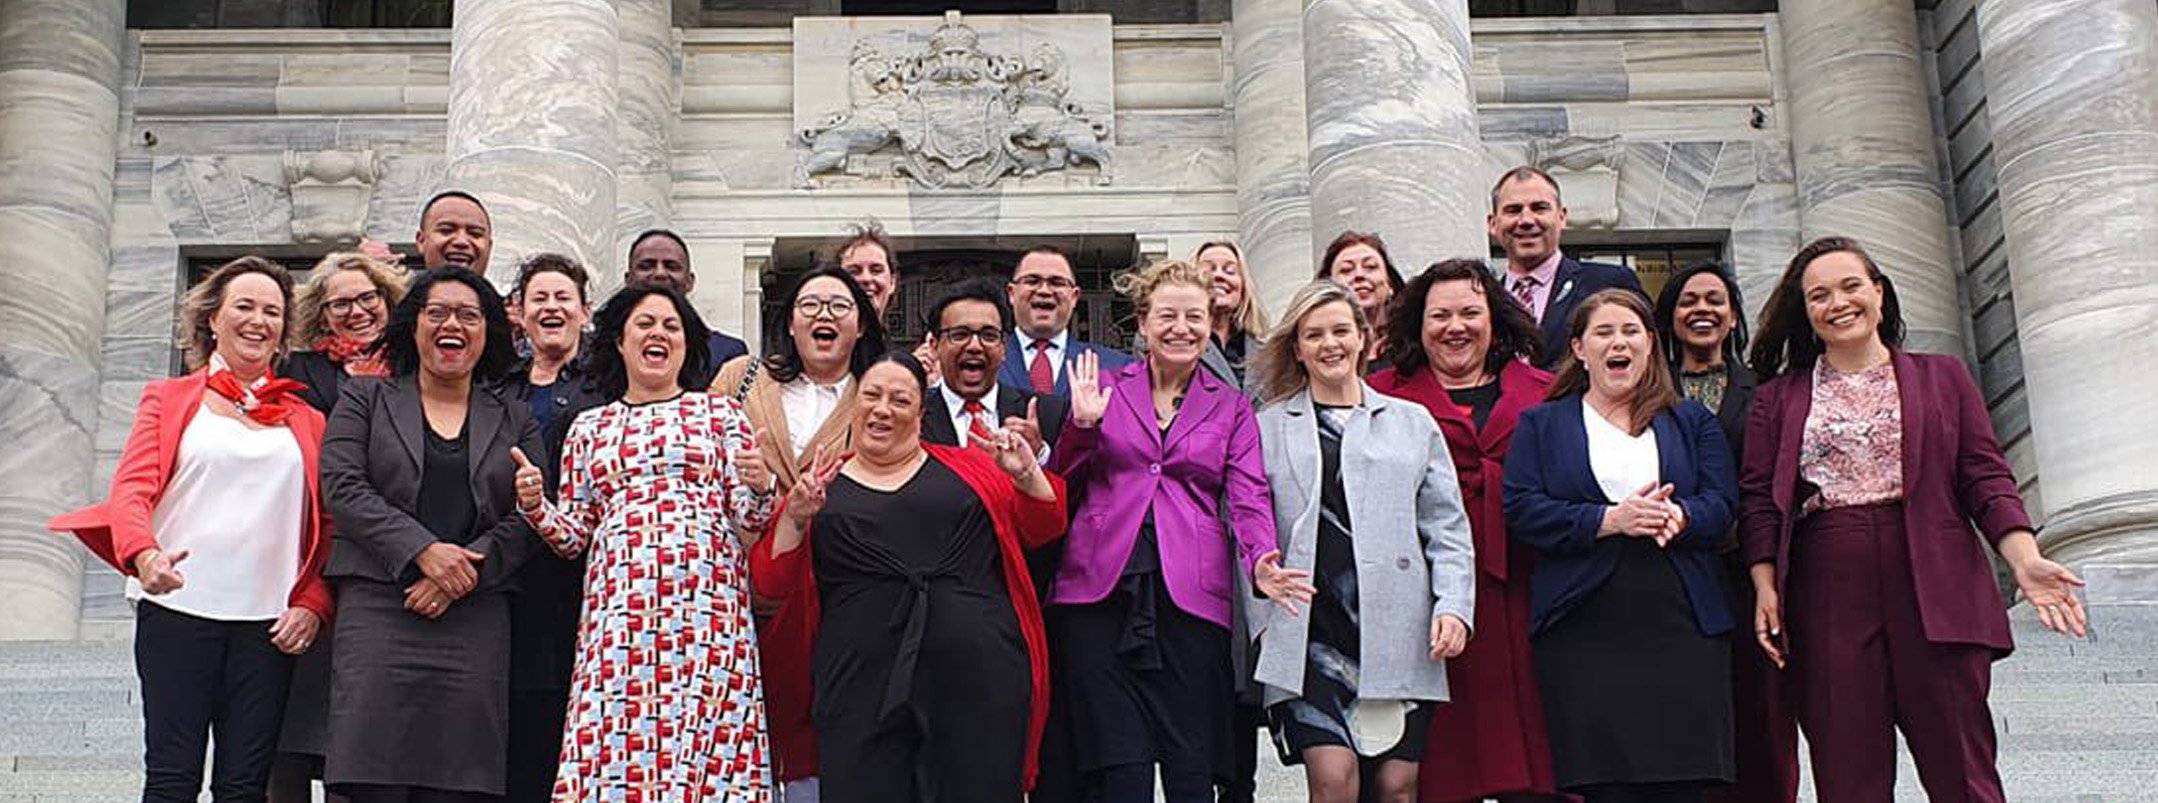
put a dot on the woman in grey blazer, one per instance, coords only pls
(1365, 498)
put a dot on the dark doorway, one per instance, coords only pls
(918, 8)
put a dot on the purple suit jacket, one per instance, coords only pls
(1126, 466)
(1953, 475)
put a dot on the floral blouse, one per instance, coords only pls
(1853, 447)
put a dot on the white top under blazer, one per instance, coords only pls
(235, 505)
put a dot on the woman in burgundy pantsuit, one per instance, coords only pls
(1865, 467)
(1458, 343)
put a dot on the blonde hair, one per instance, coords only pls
(1280, 374)
(310, 323)
(1248, 317)
(197, 341)
(1140, 283)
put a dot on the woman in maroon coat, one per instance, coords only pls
(1460, 347)
(1866, 467)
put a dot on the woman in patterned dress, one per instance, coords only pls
(659, 485)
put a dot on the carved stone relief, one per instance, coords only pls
(330, 193)
(1587, 167)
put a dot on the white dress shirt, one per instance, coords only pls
(1622, 463)
(1056, 350)
(234, 504)
(808, 404)
(956, 405)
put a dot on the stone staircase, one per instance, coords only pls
(2078, 721)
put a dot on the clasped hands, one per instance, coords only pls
(1647, 513)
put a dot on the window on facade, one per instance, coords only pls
(385, 13)
(1572, 8)
(1653, 263)
(868, 8)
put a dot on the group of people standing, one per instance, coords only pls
(1517, 534)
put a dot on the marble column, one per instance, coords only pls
(651, 101)
(60, 66)
(1863, 141)
(1391, 116)
(532, 126)
(2073, 98)
(1273, 181)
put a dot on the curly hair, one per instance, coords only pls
(1140, 284)
(603, 360)
(202, 301)
(310, 319)
(550, 262)
(1514, 334)
(401, 336)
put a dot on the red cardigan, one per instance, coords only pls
(118, 529)
(1022, 522)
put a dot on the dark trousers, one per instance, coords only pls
(1243, 781)
(536, 724)
(1864, 668)
(1679, 792)
(371, 793)
(1764, 746)
(202, 677)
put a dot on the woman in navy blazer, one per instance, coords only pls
(1865, 468)
(1625, 492)
(1141, 601)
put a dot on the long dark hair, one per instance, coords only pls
(400, 336)
(603, 360)
(1787, 341)
(784, 359)
(1656, 391)
(1734, 344)
(1343, 241)
(1514, 335)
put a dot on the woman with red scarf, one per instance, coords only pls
(221, 464)
(339, 316)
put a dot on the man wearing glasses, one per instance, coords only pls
(1044, 292)
(968, 326)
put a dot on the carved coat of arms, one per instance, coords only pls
(957, 115)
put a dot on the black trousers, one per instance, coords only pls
(536, 723)
(203, 677)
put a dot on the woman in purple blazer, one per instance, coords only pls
(1140, 606)
(1865, 468)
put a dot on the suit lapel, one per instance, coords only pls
(407, 418)
(1797, 403)
(1136, 396)
(483, 420)
(1670, 449)
(1571, 441)
(1518, 392)
(1556, 305)
(1299, 428)
(1199, 399)
(937, 420)
(1907, 393)
(183, 398)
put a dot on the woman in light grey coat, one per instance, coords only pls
(1365, 498)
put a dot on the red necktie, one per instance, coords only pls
(975, 428)
(1525, 292)
(1039, 371)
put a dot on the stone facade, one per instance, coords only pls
(1663, 129)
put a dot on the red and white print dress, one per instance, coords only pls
(665, 703)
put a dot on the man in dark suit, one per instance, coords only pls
(660, 257)
(1044, 292)
(967, 327)
(1527, 219)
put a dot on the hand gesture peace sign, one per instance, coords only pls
(1011, 450)
(808, 495)
(1089, 399)
(1029, 427)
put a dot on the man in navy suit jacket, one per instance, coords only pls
(1044, 292)
(660, 257)
(1526, 221)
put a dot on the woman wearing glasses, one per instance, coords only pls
(800, 397)
(417, 471)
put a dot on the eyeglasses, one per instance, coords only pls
(1052, 282)
(813, 306)
(340, 306)
(441, 313)
(988, 335)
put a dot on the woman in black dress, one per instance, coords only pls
(930, 668)
(417, 472)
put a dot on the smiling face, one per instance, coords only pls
(661, 262)
(250, 323)
(1361, 269)
(1329, 343)
(825, 325)
(1177, 321)
(455, 231)
(1228, 274)
(354, 307)
(1526, 221)
(452, 331)
(872, 269)
(1043, 292)
(1457, 331)
(1615, 348)
(1703, 317)
(888, 412)
(965, 358)
(1843, 302)
(552, 315)
(652, 346)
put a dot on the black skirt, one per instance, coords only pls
(415, 702)
(307, 707)
(1146, 681)
(1633, 693)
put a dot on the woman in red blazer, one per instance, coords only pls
(1865, 468)
(931, 670)
(1462, 347)
(221, 463)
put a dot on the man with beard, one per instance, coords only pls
(660, 257)
(1526, 221)
(1044, 292)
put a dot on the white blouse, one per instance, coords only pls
(807, 404)
(234, 504)
(1622, 463)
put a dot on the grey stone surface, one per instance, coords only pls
(648, 74)
(1273, 180)
(60, 66)
(2073, 103)
(532, 128)
(1392, 122)
(1863, 141)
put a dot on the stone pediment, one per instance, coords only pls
(952, 103)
